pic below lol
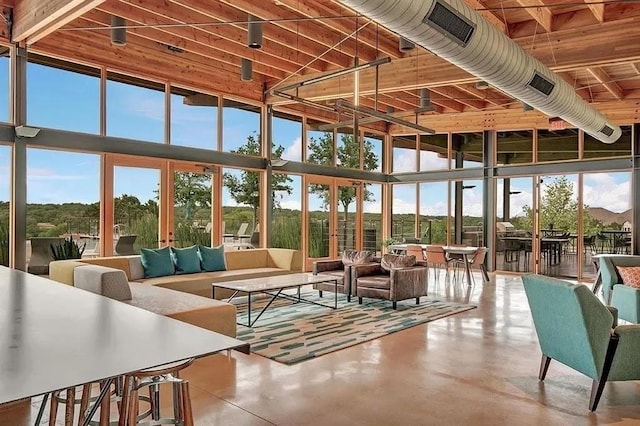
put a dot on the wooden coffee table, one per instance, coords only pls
(274, 287)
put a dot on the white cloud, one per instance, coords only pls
(373, 207)
(432, 161)
(404, 160)
(293, 152)
(291, 204)
(438, 208)
(148, 105)
(609, 195)
(35, 173)
(400, 206)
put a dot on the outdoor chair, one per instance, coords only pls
(124, 245)
(242, 231)
(417, 251)
(390, 280)
(41, 254)
(576, 329)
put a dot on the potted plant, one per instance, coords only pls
(67, 249)
(388, 242)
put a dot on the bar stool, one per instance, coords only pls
(68, 398)
(153, 378)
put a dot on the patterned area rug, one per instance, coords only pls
(294, 332)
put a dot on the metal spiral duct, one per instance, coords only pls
(457, 33)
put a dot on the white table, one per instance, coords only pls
(274, 287)
(55, 336)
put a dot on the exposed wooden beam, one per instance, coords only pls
(367, 36)
(539, 12)
(620, 112)
(606, 81)
(146, 60)
(584, 93)
(489, 15)
(460, 96)
(489, 95)
(301, 33)
(597, 45)
(597, 8)
(35, 19)
(636, 67)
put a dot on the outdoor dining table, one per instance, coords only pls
(57, 336)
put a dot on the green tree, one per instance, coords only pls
(245, 189)
(192, 190)
(559, 209)
(348, 156)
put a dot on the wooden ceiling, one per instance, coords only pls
(199, 44)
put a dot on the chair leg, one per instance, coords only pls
(84, 402)
(320, 293)
(70, 407)
(186, 399)
(359, 300)
(598, 385)
(53, 408)
(417, 300)
(544, 366)
(394, 304)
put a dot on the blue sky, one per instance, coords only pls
(70, 101)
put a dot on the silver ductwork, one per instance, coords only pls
(457, 33)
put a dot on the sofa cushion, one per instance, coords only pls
(108, 282)
(156, 262)
(212, 258)
(337, 274)
(136, 271)
(395, 261)
(630, 275)
(375, 281)
(203, 312)
(187, 260)
(247, 259)
(62, 270)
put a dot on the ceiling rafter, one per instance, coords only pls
(195, 46)
(460, 96)
(489, 95)
(231, 37)
(489, 15)
(307, 30)
(366, 36)
(539, 12)
(597, 8)
(604, 79)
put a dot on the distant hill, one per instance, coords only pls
(608, 217)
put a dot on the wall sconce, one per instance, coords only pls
(246, 70)
(118, 31)
(254, 32)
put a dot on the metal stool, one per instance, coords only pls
(153, 378)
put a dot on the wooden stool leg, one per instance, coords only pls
(105, 406)
(70, 407)
(53, 408)
(186, 403)
(177, 401)
(124, 403)
(84, 402)
(133, 404)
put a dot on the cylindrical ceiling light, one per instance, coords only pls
(118, 31)
(406, 45)
(246, 70)
(425, 98)
(254, 33)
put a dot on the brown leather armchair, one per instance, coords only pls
(373, 281)
(335, 268)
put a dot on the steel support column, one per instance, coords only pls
(635, 179)
(489, 197)
(268, 192)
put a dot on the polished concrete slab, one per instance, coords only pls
(477, 368)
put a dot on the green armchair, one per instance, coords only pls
(623, 297)
(576, 329)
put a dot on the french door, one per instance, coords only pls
(333, 220)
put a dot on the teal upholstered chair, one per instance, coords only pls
(576, 329)
(623, 297)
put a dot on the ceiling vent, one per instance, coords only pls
(454, 31)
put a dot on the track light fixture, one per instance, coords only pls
(118, 31)
(246, 70)
(406, 45)
(425, 98)
(254, 33)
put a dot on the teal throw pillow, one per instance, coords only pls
(186, 259)
(156, 262)
(212, 258)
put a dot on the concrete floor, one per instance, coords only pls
(475, 368)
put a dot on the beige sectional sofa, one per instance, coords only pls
(187, 297)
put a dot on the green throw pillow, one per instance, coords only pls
(186, 259)
(156, 262)
(212, 258)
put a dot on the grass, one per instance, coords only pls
(4, 243)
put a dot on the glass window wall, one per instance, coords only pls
(434, 210)
(63, 99)
(404, 154)
(372, 217)
(403, 212)
(5, 85)
(593, 148)
(241, 128)
(287, 137)
(135, 108)
(194, 119)
(241, 207)
(557, 145)
(433, 152)
(319, 143)
(467, 150)
(515, 147)
(373, 152)
(286, 227)
(5, 195)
